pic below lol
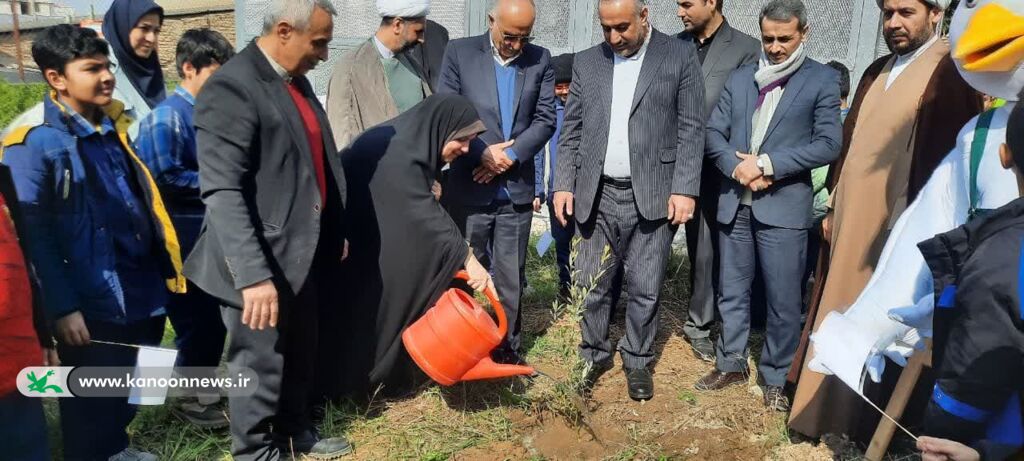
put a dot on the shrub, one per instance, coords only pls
(17, 98)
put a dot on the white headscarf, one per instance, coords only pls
(940, 4)
(404, 8)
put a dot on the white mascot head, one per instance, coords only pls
(987, 38)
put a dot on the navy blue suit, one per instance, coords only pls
(771, 233)
(515, 102)
(468, 70)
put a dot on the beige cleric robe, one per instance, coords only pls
(358, 96)
(870, 196)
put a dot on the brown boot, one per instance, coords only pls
(717, 380)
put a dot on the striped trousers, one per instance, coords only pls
(641, 248)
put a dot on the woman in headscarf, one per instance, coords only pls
(132, 28)
(404, 247)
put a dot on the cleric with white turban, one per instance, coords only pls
(940, 4)
(407, 8)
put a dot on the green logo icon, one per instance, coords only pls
(39, 384)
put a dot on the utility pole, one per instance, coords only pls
(17, 41)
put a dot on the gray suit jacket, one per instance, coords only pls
(666, 127)
(468, 70)
(804, 133)
(263, 209)
(730, 50)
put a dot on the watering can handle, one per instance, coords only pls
(495, 303)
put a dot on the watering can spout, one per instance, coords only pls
(489, 369)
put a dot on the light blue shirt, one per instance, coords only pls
(625, 75)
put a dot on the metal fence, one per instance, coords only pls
(843, 30)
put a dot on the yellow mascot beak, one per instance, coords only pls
(993, 41)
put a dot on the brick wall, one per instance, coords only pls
(7, 46)
(174, 27)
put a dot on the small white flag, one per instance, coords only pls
(544, 243)
(152, 365)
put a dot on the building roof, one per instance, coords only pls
(27, 23)
(181, 7)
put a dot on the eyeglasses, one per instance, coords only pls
(517, 38)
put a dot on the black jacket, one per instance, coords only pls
(978, 349)
(263, 208)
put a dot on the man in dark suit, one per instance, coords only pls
(629, 162)
(721, 50)
(273, 187)
(774, 123)
(493, 191)
(427, 55)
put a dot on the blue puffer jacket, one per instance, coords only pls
(71, 251)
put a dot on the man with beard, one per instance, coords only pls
(905, 118)
(377, 81)
(628, 174)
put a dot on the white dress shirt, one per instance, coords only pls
(904, 61)
(384, 51)
(625, 76)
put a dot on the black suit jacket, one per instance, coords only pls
(263, 208)
(666, 127)
(425, 58)
(468, 70)
(730, 50)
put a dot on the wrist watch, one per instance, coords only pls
(760, 163)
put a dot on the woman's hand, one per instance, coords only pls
(479, 277)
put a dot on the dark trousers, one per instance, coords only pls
(94, 428)
(195, 315)
(284, 360)
(199, 330)
(702, 250)
(638, 247)
(23, 426)
(500, 237)
(747, 245)
(563, 245)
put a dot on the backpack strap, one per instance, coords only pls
(977, 152)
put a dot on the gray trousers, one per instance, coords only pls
(639, 247)
(284, 358)
(500, 236)
(747, 245)
(702, 249)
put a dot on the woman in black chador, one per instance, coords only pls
(404, 247)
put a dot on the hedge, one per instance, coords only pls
(17, 98)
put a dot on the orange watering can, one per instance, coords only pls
(453, 341)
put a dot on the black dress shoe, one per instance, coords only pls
(311, 445)
(640, 383)
(703, 349)
(507, 357)
(775, 399)
(720, 380)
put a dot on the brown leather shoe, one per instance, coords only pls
(720, 380)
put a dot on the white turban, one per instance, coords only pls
(940, 4)
(405, 8)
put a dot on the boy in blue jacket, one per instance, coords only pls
(102, 244)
